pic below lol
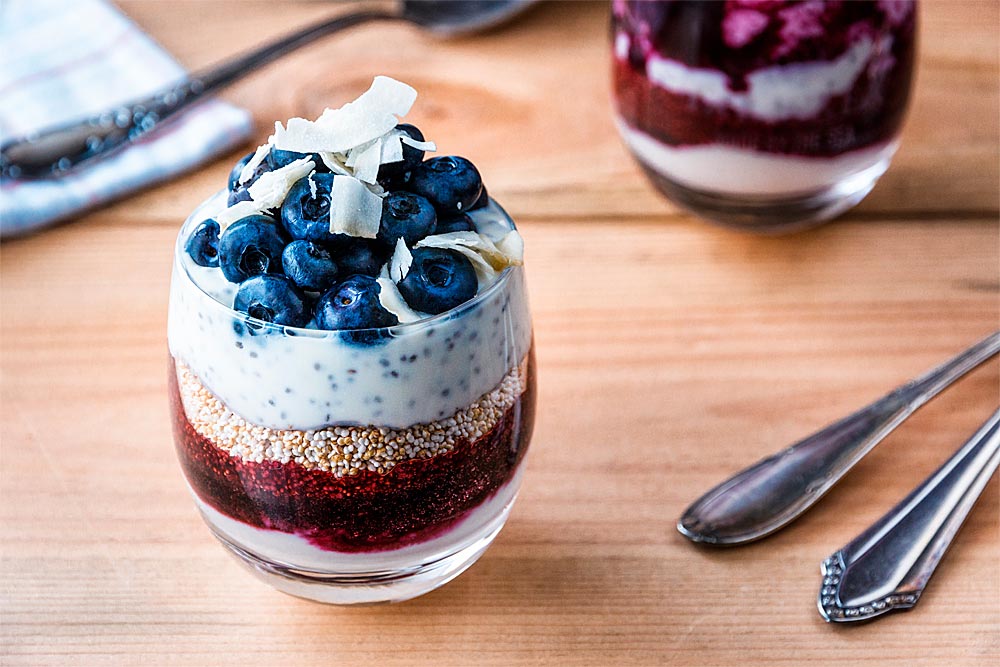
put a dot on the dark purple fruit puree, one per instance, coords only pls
(738, 38)
(413, 502)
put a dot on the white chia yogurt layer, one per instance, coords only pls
(297, 378)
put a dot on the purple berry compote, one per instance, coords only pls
(351, 368)
(763, 112)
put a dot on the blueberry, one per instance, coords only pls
(438, 280)
(411, 156)
(455, 223)
(251, 246)
(203, 244)
(278, 158)
(305, 216)
(355, 255)
(354, 304)
(395, 183)
(234, 175)
(237, 190)
(407, 216)
(483, 201)
(272, 298)
(237, 195)
(309, 265)
(451, 183)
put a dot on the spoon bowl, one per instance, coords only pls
(454, 18)
(772, 493)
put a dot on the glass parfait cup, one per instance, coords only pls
(351, 466)
(770, 115)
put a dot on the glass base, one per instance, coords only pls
(771, 214)
(367, 587)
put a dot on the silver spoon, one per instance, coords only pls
(775, 491)
(53, 152)
(887, 567)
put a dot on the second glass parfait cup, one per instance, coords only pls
(763, 115)
(351, 466)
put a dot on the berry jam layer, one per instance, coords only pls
(816, 79)
(353, 489)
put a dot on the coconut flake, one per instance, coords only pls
(354, 153)
(419, 145)
(498, 259)
(393, 301)
(247, 172)
(334, 163)
(392, 147)
(375, 113)
(272, 186)
(242, 209)
(354, 209)
(298, 134)
(366, 161)
(399, 264)
(377, 190)
(512, 246)
(312, 187)
(376, 110)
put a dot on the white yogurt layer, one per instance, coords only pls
(424, 371)
(780, 92)
(741, 171)
(299, 553)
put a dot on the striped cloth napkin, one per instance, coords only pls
(60, 61)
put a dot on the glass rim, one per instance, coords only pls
(259, 326)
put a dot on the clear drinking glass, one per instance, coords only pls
(351, 467)
(763, 114)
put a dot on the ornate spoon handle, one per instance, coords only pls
(55, 151)
(772, 493)
(888, 565)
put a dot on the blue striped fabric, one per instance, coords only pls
(63, 59)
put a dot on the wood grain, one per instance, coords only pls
(670, 354)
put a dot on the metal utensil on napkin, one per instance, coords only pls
(887, 567)
(773, 492)
(52, 152)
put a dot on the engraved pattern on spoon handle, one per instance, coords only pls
(888, 565)
(62, 148)
(775, 491)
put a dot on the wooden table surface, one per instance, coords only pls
(670, 352)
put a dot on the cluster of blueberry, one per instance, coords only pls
(293, 271)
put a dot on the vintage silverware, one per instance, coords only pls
(55, 151)
(887, 567)
(772, 493)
